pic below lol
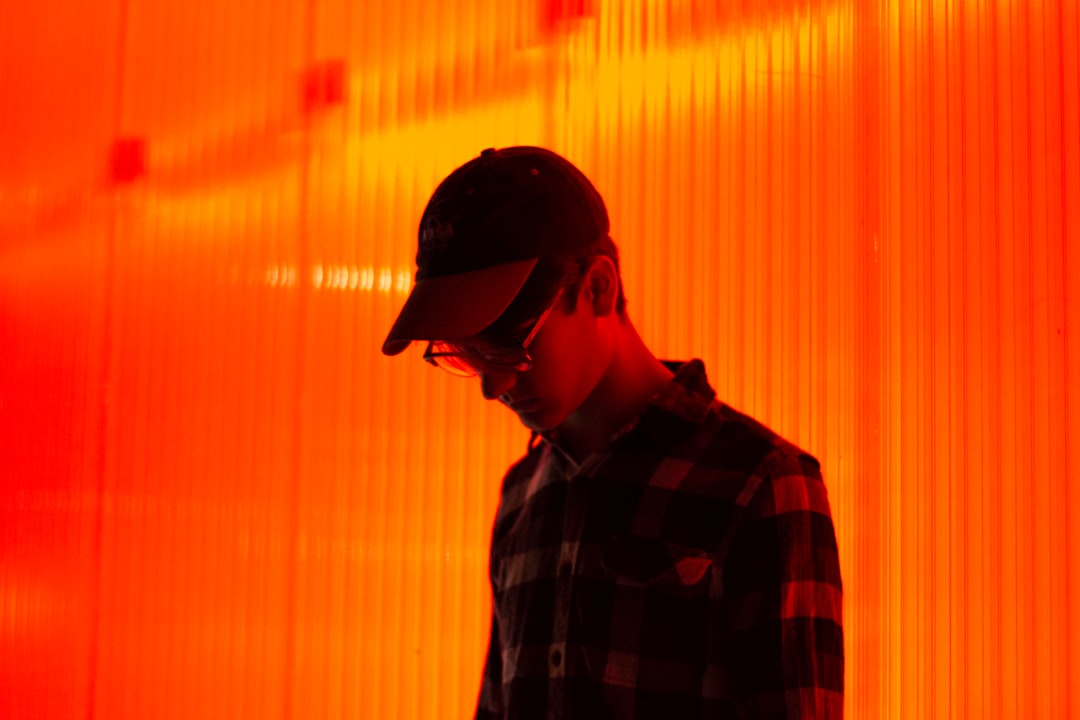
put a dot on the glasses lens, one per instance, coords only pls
(513, 359)
(455, 366)
(466, 362)
(450, 358)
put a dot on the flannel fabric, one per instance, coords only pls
(689, 570)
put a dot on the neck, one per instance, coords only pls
(632, 379)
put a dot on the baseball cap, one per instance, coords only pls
(485, 228)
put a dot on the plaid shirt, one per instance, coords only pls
(689, 570)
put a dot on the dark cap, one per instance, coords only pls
(482, 233)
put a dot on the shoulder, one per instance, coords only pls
(519, 473)
(727, 469)
(690, 424)
(730, 444)
(778, 472)
(517, 481)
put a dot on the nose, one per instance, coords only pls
(494, 383)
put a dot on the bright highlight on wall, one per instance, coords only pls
(217, 499)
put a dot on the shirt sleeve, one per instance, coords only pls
(785, 643)
(490, 704)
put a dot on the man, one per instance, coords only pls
(656, 554)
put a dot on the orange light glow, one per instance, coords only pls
(219, 500)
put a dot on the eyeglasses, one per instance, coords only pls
(464, 360)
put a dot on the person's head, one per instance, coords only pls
(517, 282)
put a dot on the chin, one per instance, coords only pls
(540, 421)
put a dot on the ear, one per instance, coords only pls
(601, 286)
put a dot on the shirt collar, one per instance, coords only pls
(688, 395)
(683, 404)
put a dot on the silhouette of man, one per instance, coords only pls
(656, 554)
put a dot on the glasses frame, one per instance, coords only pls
(523, 360)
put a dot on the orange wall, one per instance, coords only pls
(217, 499)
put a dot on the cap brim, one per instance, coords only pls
(453, 307)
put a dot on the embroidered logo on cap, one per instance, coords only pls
(437, 230)
(436, 236)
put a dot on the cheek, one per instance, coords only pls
(553, 364)
(569, 361)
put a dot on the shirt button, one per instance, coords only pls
(556, 658)
(565, 569)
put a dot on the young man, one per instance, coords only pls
(656, 554)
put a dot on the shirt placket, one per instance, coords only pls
(562, 658)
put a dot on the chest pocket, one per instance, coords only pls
(652, 563)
